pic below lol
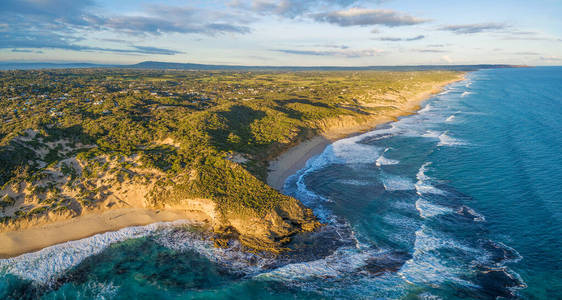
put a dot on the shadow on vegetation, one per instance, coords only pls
(303, 101)
(295, 114)
(236, 132)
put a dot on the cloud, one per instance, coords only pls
(349, 53)
(516, 34)
(159, 19)
(153, 50)
(395, 39)
(473, 28)
(416, 38)
(535, 37)
(334, 46)
(49, 40)
(389, 39)
(55, 11)
(526, 53)
(366, 17)
(429, 50)
(288, 8)
(26, 51)
(62, 24)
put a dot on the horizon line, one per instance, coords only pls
(264, 66)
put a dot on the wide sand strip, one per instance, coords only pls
(32, 239)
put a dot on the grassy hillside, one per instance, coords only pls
(72, 140)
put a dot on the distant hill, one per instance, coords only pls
(191, 66)
(40, 65)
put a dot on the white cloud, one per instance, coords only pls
(350, 53)
(365, 17)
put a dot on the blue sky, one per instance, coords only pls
(283, 32)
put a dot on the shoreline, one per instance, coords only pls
(295, 158)
(15, 243)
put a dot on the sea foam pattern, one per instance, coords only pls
(399, 227)
(430, 263)
(47, 264)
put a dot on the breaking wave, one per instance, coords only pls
(423, 185)
(46, 265)
(428, 210)
(409, 246)
(445, 140)
(383, 161)
(396, 183)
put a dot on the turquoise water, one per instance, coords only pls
(462, 200)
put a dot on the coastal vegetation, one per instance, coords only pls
(75, 142)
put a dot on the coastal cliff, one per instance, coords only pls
(136, 156)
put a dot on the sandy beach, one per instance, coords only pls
(32, 239)
(295, 158)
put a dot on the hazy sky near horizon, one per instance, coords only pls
(283, 32)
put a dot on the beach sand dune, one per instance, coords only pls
(32, 238)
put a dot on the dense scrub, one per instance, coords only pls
(185, 124)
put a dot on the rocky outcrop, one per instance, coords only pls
(269, 232)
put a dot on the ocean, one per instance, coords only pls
(462, 200)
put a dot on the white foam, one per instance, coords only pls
(344, 260)
(308, 197)
(422, 186)
(49, 263)
(431, 134)
(420, 176)
(430, 239)
(429, 296)
(426, 267)
(426, 108)
(101, 290)
(232, 257)
(346, 151)
(428, 210)
(396, 183)
(383, 161)
(349, 151)
(355, 182)
(452, 117)
(464, 94)
(403, 205)
(445, 140)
